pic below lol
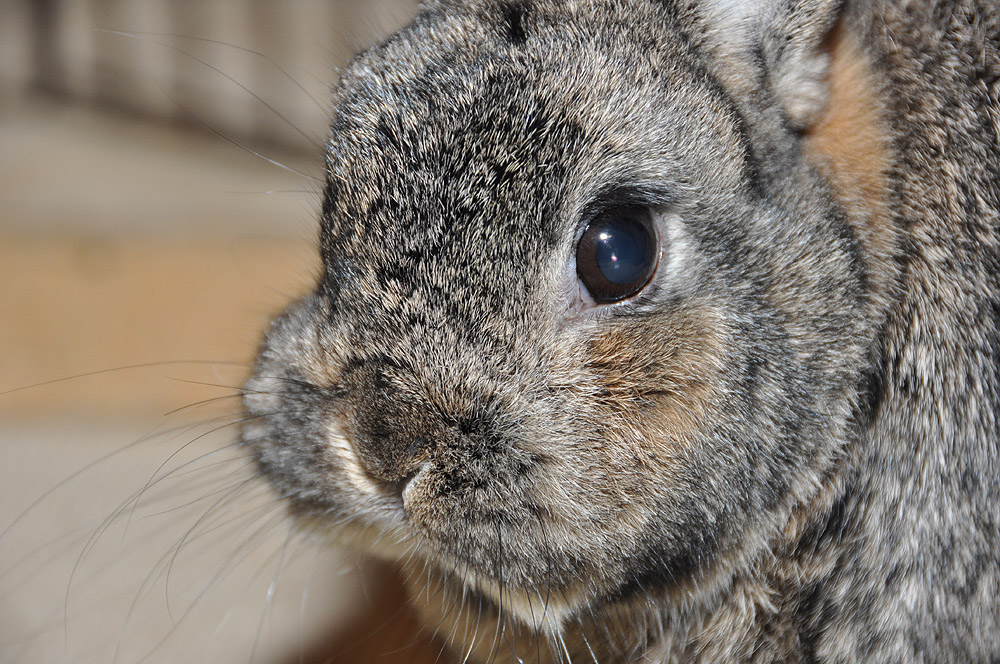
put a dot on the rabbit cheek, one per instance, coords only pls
(661, 379)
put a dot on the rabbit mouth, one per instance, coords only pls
(494, 514)
(542, 609)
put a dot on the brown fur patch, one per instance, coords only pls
(850, 144)
(658, 382)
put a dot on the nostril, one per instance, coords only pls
(416, 448)
(393, 426)
(398, 487)
(392, 457)
(393, 436)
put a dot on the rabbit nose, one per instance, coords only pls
(393, 431)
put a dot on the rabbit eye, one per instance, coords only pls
(618, 253)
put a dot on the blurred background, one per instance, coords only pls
(158, 202)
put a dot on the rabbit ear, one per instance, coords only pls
(785, 37)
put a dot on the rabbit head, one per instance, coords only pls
(589, 326)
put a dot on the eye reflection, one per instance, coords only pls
(618, 253)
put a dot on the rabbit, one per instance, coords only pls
(660, 330)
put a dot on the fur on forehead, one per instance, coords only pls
(782, 37)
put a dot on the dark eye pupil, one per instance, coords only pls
(623, 252)
(618, 253)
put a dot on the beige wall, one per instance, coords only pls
(118, 154)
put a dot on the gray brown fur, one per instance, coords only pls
(785, 449)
